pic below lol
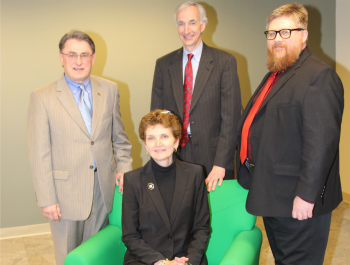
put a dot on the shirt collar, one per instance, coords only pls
(197, 53)
(74, 85)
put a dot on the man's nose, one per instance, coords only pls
(187, 28)
(78, 59)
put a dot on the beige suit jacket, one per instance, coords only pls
(62, 151)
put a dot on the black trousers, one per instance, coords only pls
(298, 242)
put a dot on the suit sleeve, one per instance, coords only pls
(230, 114)
(157, 98)
(121, 144)
(132, 237)
(321, 120)
(201, 229)
(39, 141)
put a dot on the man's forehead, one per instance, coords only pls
(77, 44)
(190, 20)
(283, 22)
(188, 13)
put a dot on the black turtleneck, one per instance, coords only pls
(165, 177)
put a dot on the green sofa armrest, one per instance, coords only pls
(245, 249)
(105, 247)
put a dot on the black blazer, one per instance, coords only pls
(148, 233)
(295, 141)
(215, 107)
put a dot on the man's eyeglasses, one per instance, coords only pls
(73, 56)
(284, 33)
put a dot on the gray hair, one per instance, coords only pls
(202, 13)
(78, 35)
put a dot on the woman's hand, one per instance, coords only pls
(178, 261)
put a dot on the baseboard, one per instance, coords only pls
(346, 197)
(31, 230)
(21, 231)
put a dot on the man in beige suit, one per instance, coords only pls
(78, 148)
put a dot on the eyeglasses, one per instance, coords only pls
(73, 56)
(284, 33)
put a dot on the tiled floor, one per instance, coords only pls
(32, 250)
(38, 250)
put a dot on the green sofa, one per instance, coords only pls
(234, 238)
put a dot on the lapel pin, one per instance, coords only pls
(150, 186)
(99, 93)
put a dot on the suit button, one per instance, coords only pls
(92, 142)
(91, 166)
(170, 237)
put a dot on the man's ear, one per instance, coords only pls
(305, 35)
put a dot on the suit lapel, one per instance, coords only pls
(180, 187)
(175, 72)
(97, 99)
(249, 105)
(204, 71)
(66, 98)
(285, 77)
(149, 178)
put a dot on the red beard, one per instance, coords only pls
(279, 64)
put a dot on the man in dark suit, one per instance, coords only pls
(288, 143)
(203, 90)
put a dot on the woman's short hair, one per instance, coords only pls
(162, 117)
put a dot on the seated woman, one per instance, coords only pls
(165, 206)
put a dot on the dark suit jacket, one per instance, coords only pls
(148, 233)
(295, 141)
(215, 107)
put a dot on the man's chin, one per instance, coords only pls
(279, 53)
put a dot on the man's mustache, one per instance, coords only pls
(279, 45)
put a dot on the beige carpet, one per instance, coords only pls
(38, 250)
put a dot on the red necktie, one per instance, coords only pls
(188, 88)
(249, 120)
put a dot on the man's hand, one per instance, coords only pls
(216, 174)
(119, 181)
(302, 209)
(52, 212)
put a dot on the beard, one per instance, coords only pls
(279, 64)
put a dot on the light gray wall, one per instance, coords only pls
(130, 36)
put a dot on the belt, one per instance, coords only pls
(95, 170)
(190, 136)
(249, 165)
